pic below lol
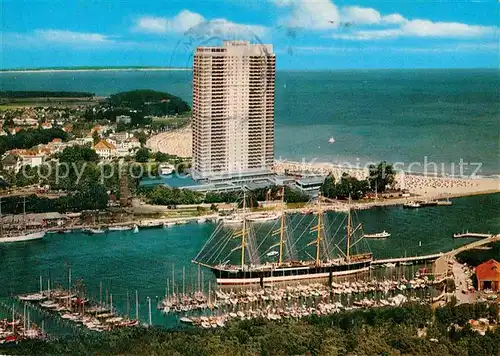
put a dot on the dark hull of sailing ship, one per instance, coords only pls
(288, 273)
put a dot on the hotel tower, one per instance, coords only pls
(233, 110)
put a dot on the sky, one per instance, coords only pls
(305, 34)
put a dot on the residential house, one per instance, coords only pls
(105, 150)
(123, 118)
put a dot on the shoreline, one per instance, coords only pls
(178, 142)
(93, 70)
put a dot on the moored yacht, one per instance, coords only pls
(379, 235)
(412, 205)
(25, 235)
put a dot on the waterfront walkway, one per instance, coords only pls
(444, 264)
(409, 259)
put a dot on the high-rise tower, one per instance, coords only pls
(233, 110)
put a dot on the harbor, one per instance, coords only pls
(124, 261)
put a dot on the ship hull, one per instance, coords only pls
(225, 277)
(25, 237)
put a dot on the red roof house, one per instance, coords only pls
(488, 275)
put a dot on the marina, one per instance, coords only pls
(468, 234)
(126, 262)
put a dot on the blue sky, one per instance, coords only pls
(306, 34)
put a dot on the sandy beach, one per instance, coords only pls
(178, 142)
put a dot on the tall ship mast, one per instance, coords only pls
(16, 237)
(333, 251)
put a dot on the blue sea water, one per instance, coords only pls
(439, 116)
(125, 262)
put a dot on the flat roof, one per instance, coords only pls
(310, 180)
(171, 181)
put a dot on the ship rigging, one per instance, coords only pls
(335, 254)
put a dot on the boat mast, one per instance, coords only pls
(318, 237)
(24, 214)
(1, 219)
(243, 232)
(349, 230)
(282, 228)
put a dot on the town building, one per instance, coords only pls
(105, 150)
(488, 276)
(123, 119)
(233, 111)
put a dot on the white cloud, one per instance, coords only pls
(421, 28)
(322, 15)
(226, 30)
(394, 19)
(314, 15)
(181, 22)
(460, 47)
(360, 15)
(70, 37)
(425, 28)
(368, 34)
(149, 24)
(195, 24)
(58, 38)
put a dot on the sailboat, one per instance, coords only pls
(25, 235)
(330, 258)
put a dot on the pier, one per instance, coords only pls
(442, 264)
(399, 260)
(472, 234)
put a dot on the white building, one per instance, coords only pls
(123, 118)
(233, 110)
(105, 150)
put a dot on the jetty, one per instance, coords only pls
(399, 260)
(472, 234)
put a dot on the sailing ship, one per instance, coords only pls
(25, 235)
(329, 259)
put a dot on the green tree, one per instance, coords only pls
(78, 153)
(327, 189)
(142, 155)
(381, 176)
(142, 137)
(96, 137)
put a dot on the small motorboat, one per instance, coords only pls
(412, 205)
(232, 220)
(168, 224)
(260, 218)
(96, 231)
(120, 228)
(331, 140)
(201, 220)
(186, 320)
(379, 235)
(35, 297)
(136, 229)
(272, 253)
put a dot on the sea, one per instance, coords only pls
(394, 115)
(423, 120)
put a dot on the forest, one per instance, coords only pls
(149, 102)
(412, 329)
(29, 138)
